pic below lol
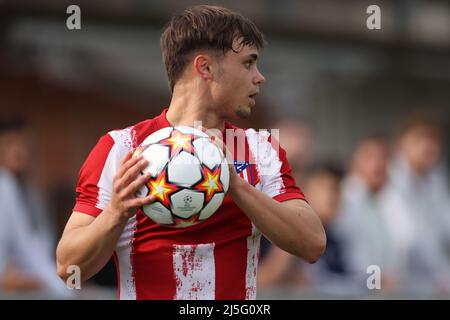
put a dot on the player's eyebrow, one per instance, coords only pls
(253, 56)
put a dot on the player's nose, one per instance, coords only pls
(259, 79)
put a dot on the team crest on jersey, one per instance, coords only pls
(246, 171)
(240, 165)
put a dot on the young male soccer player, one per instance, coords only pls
(210, 55)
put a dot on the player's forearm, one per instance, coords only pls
(296, 230)
(89, 247)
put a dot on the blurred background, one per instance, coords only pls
(364, 117)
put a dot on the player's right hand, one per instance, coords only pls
(127, 181)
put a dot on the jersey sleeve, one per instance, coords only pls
(276, 173)
(95, 179)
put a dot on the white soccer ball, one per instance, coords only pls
(189, 176)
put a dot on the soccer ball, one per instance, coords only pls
(189, 176)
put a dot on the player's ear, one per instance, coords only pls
(203, 66)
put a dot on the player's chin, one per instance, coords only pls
(243, 112)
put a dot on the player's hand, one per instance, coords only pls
(126, 183)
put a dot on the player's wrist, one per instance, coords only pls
(117, 216)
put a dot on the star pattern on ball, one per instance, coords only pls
(178, 141)
(161, 189)
(210, 184)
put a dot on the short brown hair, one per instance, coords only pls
(204, 27)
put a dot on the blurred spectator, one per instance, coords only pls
(361, 224)
(297, 138)
(277, 267)
(417, 208)
(26, 239)
(322, 189)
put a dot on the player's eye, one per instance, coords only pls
(248, 64)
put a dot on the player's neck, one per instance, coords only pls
(191, 109)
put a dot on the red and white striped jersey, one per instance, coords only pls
(215, 259)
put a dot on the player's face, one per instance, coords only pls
(237, 82)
